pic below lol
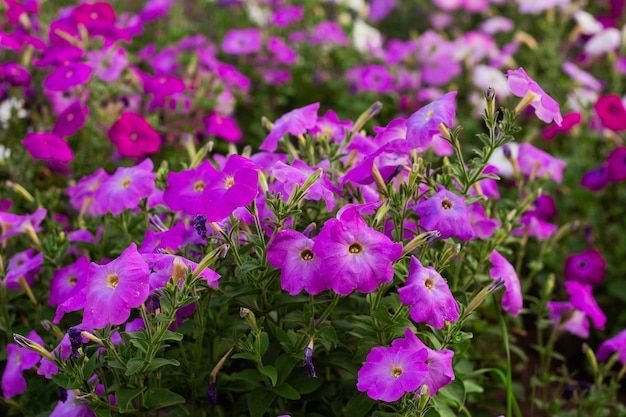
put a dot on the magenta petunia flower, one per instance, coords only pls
(570, 121)
(424, 123)
(534, 226)
(83, 194)
(71, 119)
(133, 136)
(390, 372)
(447, 213)
(428, 295)
(14, 225)
(242, 41)
(296, 173)
(15, 74)
(611, 111)
(546, 108)
(68, 280)
(287, 15)
(482, 226)
(532, 160)
(72, 407)
(169, 239)
(587, 267)
(439, 362)
(512, 298)
(281, 52)
(67, 76)
(234, 186)
(355, 256)
(292, 253)
(114, 288)
(25, 265)
(616, 162)
(575, 320)
(222, 126)
(581, 297)
(616, 343)
(48, 146)
(295, 122)
(97, 13)
(330, 33)
(596, 178)
(331, 127)
(126, 188)
(19, 359)
(185, 188)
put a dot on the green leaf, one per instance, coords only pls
(259, 402)
(358, 406)
(65, 381)
(125, 394)
(160, 362)
(284, 365)
(287, 391)
(270, 372)
(102, 411)
(454, 391)
(89, 367)
(157, 398)
(133, 366)
(264, 343)
(172, 336)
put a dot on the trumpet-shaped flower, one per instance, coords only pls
(126, 188)
(19, 359)
(447, 213)
(355, 256)
(424, 123)
(133, 136)
(546, 108)
(535, 161)
(616, 343)
(390, 372)
(428, 295)
(48, 146)
(581, 297)
(296, 122)
(114, 288)
(512, 298)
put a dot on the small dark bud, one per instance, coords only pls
(506, 150)
(199, 223)
(308, 363)
(212, 394)
(62, 394)
(76, 341)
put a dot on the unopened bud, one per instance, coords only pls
(179, 271)
(309, 229)
(26, 343)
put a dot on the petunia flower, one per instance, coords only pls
(617, 344)
(439, 362)
(611, 111)
(67, 76)
(242, 41)
(447, 213)
(570, 120)
(83, 194)
(616, 162)
(126, 188)
(222, 126)
(355, 256)
(535, 161)
(68, 280)
(72, 407)
(114, 288)
(587, 267)
(14, 225)
(512, 298)
(596, 178)
(291, 252)
(428, 295)
(185, 188)
(390, 372)
(575, 320)
(295, 122)
(546, 108)
(581, 297)
(133, 136)
(71, 119)
(26, 265)
(286, 15)
(19, 359)
(424, 123)
(48, 146)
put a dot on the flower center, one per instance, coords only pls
(69, 74)
(199, 186)
(72, 281)
(70, 117)
(396, 371)
(126, 183)
(582, 264)
(355, 248)
(93, 15)
(307, 255)
(113, 280)
(446, 204)
(230, 181)
(133, 136)
(429, 283)
(430, 114)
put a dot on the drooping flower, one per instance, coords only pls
(48, 146)
(611, 111)
(512, 298)
(126, 188)
(546, 108)
(424, 123)
(428, 295)
(355, 256)
(390, 372)
(19, 359)
(447, 213)
(581, 297)
(616, 343)
(587, 267)
(295, 122)
(114, 288)
(292, 252)
(14, 225)
(439, 362)
(133, 136)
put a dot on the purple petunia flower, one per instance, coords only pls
(19, 359)
(222, 126)
(23, 264)
(242, 41)
(439, 362)
(587, 267)
(616, 343)
(532, 160)
(611, 111)
(616, 161)
(596, 178)
(512, 298)
(390, 372)
(428, 295)
(295, 122)
(114, 288)
(291, 252)
(71, 119)
(126, 188)
(576, 321)
(546, 108)
(186, 187)
(83, 194)
(48, 146)
(68, 280)
(72, 407)
(581, 297)
(287, 15)
(67, 76)
(447, 213)
(424, 123)
(355, 256)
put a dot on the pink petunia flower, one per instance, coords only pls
(133, 136)
(575, 320)
(424, 123)
(48, 146)
(222, 126)
(19, 359)
(390, 372)
(616, 343)
(512, 298)
(83, 194)
(447, 213)
(428, 295)
(242, 41)
(67, 76)
(126, 188)
(114, 288)
(611, 111)
(587, 267)
(295, 122)
(185, 188)
(68, 280)
(355, 256)
(546, 108)
(71, 119)
(581, 297)
(535, 161)
(570, 120)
